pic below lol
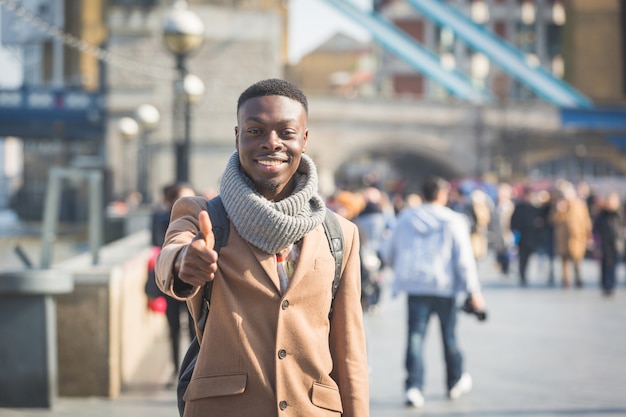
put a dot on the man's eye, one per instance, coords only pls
(288, 133)
(254, 131)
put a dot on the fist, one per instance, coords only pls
(478, 302)
(198, 260)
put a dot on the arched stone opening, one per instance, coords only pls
(393, 169)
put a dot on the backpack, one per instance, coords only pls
(221, 225)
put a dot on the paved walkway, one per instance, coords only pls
(542, 352)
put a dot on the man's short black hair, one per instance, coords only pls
(274, 87)
(431, 187)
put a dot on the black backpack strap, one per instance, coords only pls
(221, 228)
(186, 371)
(334, 234)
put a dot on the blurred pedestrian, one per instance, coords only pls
(432, 260)
(503, 239)
(587, 194)
(572, 231)
(545, 249)
(479, 211)
(525, 223)
(373, 220)
(373, 224)
(609, 227)
(174, 308)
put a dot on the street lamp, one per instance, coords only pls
(128, 129)
(144, 121)
(192, 88)
(148, 118)
(183, 33)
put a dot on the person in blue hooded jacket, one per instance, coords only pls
(432, 260)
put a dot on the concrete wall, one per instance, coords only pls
(107, 338)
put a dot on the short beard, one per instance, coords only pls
(267, 185)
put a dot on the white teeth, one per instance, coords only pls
(270, 163)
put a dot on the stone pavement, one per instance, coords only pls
(543, 352)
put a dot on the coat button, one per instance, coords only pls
(282, 354)
(285, 304)
(282, 405)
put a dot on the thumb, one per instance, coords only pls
(206, 228)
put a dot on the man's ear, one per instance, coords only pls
(306, 137)
(237, 137)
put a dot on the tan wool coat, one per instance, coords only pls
(267, 354)
(572, 229)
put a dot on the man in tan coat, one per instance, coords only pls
(270, 347)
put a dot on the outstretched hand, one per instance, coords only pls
(198, 260)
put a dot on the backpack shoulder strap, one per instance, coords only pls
(219, 221)
(334, 234)
(221, 228)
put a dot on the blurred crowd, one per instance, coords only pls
(561, 224)
(558, 223)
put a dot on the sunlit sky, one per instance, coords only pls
(311, 22)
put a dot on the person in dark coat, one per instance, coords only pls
(546, 231)
(525, 222)
(609, 228)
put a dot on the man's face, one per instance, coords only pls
(271, 135)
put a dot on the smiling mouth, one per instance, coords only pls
(270, 163)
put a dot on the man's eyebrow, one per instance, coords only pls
(254, 119)
(262, 121)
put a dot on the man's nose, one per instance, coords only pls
(273, 140)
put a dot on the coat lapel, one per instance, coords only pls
(308, 253)
(268, 263)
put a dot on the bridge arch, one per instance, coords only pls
(400, 166)
(408, 135)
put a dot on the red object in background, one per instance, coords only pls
(157, 305)
(153, 255)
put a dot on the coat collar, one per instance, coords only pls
(308, 253)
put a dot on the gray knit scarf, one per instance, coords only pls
(269, 225)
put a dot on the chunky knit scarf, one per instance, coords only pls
(269, 225)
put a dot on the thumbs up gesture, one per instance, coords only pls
(198, 260)
(206, 229)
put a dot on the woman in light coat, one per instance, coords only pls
(572, 231)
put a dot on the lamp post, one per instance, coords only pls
(183, 33)
(148, 118)
(128, 129)
(144, 121)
